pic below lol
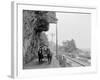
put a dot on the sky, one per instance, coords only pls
(72, 26)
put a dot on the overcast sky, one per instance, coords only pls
(72, 26)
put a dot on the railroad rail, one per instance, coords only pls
(77, 61)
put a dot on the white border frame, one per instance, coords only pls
(17, 67)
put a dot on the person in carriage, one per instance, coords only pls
(44, 53)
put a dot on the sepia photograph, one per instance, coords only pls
(56, 39)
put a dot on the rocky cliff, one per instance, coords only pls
(35, 23)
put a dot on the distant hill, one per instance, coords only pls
(69, 45)
(70, 48)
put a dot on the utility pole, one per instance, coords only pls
(56, 40)
(52, 35)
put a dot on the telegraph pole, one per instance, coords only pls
(52, 35)
(56, 40)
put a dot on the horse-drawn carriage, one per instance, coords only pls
(44, 54)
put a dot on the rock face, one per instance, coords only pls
(35, 23)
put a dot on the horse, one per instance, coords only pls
(49, 55)
(40, 54)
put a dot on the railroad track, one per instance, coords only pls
(76, 62)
